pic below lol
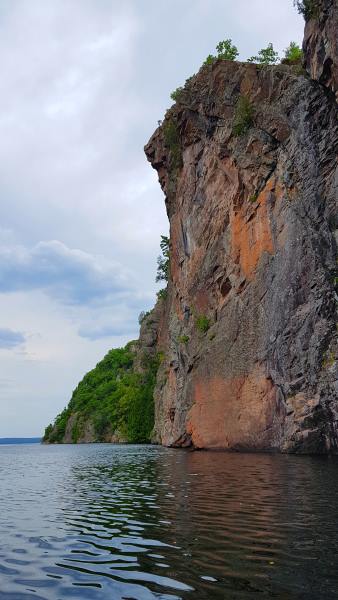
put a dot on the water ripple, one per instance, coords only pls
(145, 523)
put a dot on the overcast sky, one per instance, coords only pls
(83, 84)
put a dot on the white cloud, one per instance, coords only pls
(69, 275)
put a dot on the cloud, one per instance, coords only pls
(69, 275)
(108, 331)
(10, 339)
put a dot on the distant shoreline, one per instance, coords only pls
(7, 441)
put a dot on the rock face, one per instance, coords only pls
(247, 160)
(321, 44)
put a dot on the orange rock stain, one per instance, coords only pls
(237, 411)
(251, 237)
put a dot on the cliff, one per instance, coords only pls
(241, 350)
(247, 160)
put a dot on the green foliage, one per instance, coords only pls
(293, 53)
(173, 142)
(56, 432)
(253, 197)
(175, 95)
(143, 315)
(76, 431)
(113, 397)
(266, 56)
(210, 59)
(160, 357)
(183, 339)
(308, 8)
(163, 261)
(202, 323)
(243, 116)
(48, 432)
(328, 360)
(225, 51)
(162, 294)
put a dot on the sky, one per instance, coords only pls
(83, 84)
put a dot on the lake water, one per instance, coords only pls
(140, 522)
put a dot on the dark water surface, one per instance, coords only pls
(140, 522)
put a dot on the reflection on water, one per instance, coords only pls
(141, 522)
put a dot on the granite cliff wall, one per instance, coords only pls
(247, 160)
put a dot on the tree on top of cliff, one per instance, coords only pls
(226, 50)
(163, 261)
(307, 8)
(293, 53)
(266, 56)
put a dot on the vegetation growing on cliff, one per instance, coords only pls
(163, 261)
(112, 397)
(226, 50)
(307, 8)
(175, 95)
(265, 56)
(172, 141)
(143, 315)
(293, 53)
(243, 116)
(202, 323)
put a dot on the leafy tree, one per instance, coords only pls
(210, 59)
(293, 53)
(266, 56)
(226, 50)
(307, 8)
(163, 261)
(175, 95)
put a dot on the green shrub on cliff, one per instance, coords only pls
(293, 53)
(175, 95)
(226, 50)
(162, 294)
(202, 323)
(183, 339)
(266, 56)
(307, 8)
(111, 397)
(173, 142)
(243, 116)
(163, 261)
